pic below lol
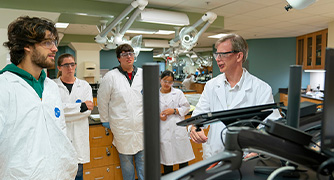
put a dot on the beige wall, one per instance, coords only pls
(87, 52)
(3, 51)
(331, 35)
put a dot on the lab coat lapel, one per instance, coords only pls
(220, 92)
(247, 83)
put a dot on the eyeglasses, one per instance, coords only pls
(167, 82)
(67, 65)
(49, 43)
(220, 55)
(126, 54)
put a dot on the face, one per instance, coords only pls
(43, 53)
(167, 83)
(228, 62)
(67, 67)
(126, 59)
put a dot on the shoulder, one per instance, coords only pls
(255, 80)
(216, 80)
(82, 82)
(176, 91)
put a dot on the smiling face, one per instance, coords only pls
(232, 61)
(166, 83)
(43, 54)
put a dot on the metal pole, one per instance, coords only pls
(295, 82)
(151, 121)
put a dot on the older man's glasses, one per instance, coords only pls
(126, 54)
(68, 65)
(49, 43)
(221, 55)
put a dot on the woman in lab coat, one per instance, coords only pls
(175, 147)
(77, 100)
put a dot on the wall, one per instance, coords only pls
(108, 59)
(3, 50)
(330, 42)
(270, 60)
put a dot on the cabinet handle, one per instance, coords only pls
(99, 178)
(107, 132)
(98, 137)
(107, 151)
(97, 158)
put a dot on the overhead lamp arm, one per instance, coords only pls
(141, 4)
(208, 17)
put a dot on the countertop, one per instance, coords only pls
(285, 91)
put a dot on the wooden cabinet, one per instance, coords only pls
(104, 160)
(284, 99)
(311, 50)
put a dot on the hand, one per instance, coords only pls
(89, 104)
(168, 111)
(197, 136)
(163, 116)
(106, 125)
(250, 155)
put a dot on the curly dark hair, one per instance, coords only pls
(26, 31)
(123, 47)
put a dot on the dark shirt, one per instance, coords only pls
(126, 73)
(83, 106)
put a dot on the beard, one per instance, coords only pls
(41, 61)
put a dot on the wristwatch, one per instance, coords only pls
(174, 111)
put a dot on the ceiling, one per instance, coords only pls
(253, 19)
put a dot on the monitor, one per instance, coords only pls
(259, 112)
(327, 130)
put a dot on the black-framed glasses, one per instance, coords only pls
(220, 55)
(49, 43)
(126, 54)
(67, 65)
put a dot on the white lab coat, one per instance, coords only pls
(77, 124)
(33, 142)
(188, 81)
(175, 147)
(122, 106)
(253, 92)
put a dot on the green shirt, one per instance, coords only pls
(37, 85)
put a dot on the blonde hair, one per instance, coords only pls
(238, 44)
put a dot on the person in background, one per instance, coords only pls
(77, 99)
(190, 79)
(33, 141)
(120, 102)
(234, 88)
(175, 147)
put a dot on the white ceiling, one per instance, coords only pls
(253, 19)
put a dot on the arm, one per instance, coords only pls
(183, 105)
(202, 106)
(266, 97)
(4, 101)
(103, 98)
(72, 110)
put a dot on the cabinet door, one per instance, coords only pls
(102, 173)
(99, 136)
(300, 50)
(309, 52)
(321, 44)
(102, 156)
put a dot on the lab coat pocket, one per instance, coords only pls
(181, 133)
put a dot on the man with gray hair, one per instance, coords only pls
(234, 88)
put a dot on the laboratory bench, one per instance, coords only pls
(303, 97)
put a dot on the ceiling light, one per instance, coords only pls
(155, 43)
(146, 49)
(315, 70)
(217, 36)
(132, 31)
(165, 32)
(62, 25)
(164, 17)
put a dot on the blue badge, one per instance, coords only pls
(57, 112)
(78, 101)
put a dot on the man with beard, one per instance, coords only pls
(33, 142)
